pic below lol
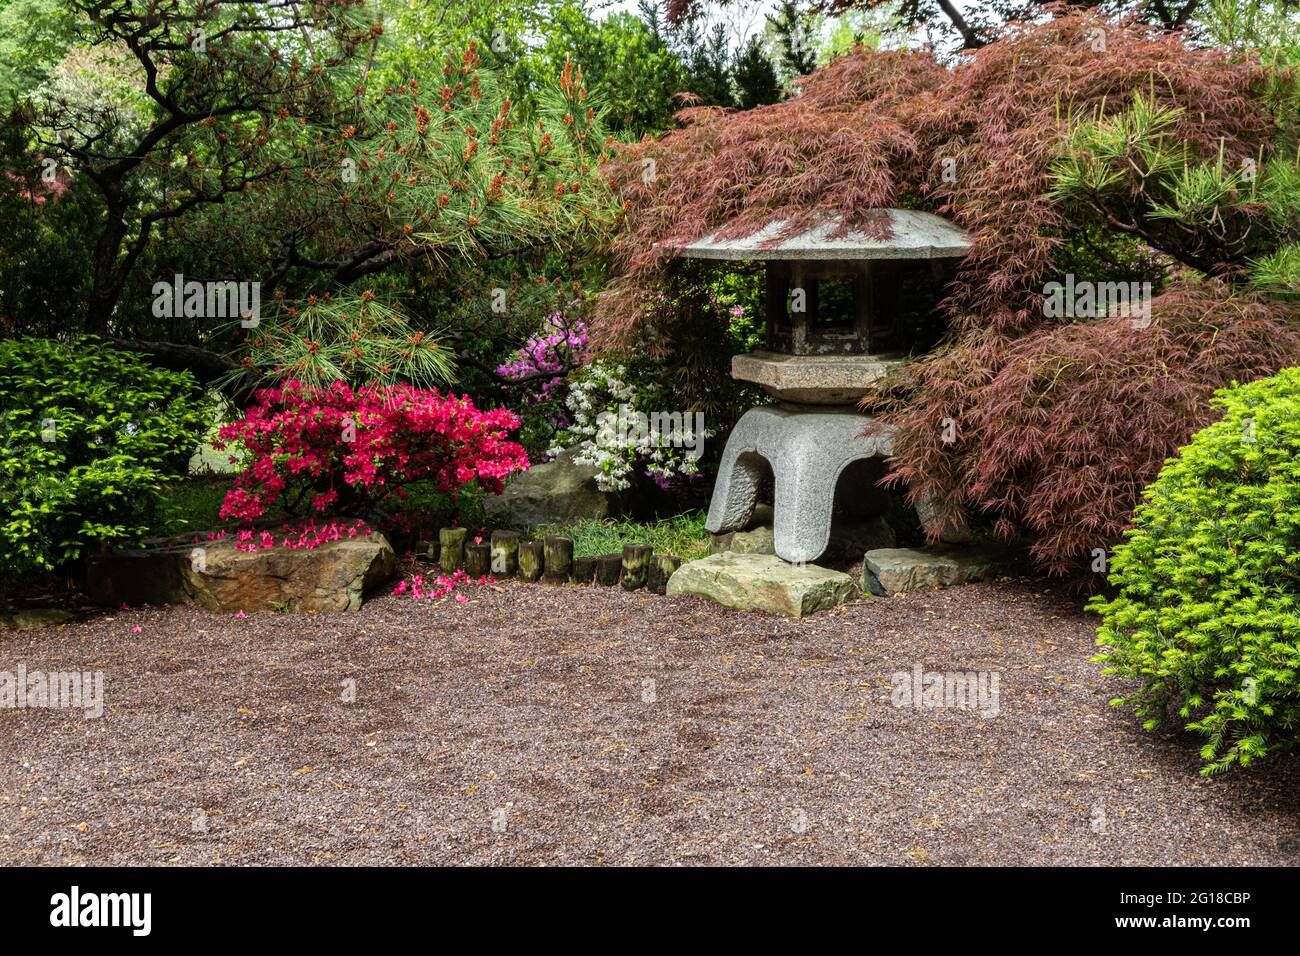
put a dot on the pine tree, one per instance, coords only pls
(755, 77)
(797, 55)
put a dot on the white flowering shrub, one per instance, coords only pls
(615, 427)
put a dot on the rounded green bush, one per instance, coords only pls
(89, 435)
(1207, 611)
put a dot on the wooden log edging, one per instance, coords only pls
(583, 571)
(505, 553)
(636, 566)
(609, 568)
(559, 558)
(478, 559)
(451, 548)
(551, 559)
(531, 556)
(662, 567)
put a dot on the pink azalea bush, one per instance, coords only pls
(344, 450)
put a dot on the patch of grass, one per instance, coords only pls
(432, 509)
(192, 504)
(682, 535)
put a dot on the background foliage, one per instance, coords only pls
(90, 436)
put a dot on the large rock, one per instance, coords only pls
(763, 582)
(31, 619)
(951, 525)
(332, 577)
(850, 538)
(895, 570)
(756, 541)
(553, 493)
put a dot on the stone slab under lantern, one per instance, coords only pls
(763, 582)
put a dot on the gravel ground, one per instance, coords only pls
(521, 728)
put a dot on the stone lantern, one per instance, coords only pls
(842, 312)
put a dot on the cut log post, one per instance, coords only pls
(531, 556)
(478, 559)
(636, 565)
(609, 567)
(451, 548)
(425, 548)
(559, 558)
(582, 571)
(505, 553)
(662, 567)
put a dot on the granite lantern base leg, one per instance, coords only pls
(807, 449)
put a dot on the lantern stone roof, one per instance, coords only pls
(915, 235)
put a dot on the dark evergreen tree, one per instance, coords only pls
(755, 77)
(798, 56)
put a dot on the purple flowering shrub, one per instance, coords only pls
(544, 362)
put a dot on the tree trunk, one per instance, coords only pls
(106, 279)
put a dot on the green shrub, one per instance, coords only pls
(191, 504)
(90, 433)
(1207, 615)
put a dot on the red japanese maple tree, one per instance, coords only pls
(1061, 424)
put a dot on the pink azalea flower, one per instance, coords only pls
(294, 433)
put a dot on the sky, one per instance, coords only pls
(747, 16)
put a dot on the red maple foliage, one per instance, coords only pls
(875, 130)
(1060, 431)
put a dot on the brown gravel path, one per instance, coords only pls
(761, 740)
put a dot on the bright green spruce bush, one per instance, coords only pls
(89, 434)
(1207, 610)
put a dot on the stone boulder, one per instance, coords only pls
(952, 530)
(851, 537)
(553, 493)
(763, 582)
(34, 618)
(335, 576)
(756, 541)
(888, 571)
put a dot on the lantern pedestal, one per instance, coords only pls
(807, 449)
